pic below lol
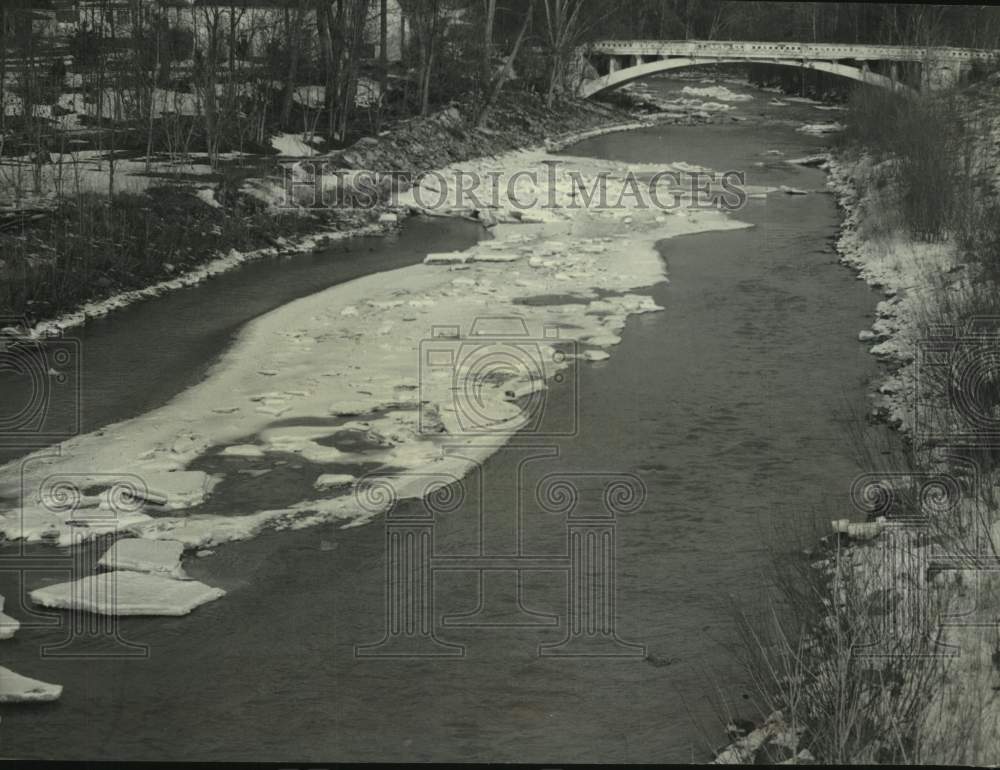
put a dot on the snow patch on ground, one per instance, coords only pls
(293, 146)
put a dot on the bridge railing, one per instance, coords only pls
(766, 49)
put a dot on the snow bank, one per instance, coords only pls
(127, 593)
(193, 277)
(905, 270)
(15, 688)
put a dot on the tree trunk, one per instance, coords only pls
(294, 46)
(152, 99)
(383, 62)
(211, 64)
(425, 83)
(505, 71)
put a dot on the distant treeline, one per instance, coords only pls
(209, 75)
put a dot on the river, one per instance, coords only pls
(730, 405)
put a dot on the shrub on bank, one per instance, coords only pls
(92, 246)
(927, 143)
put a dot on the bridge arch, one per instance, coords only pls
(620, 77)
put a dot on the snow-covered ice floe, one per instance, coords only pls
(719, 93)
(8, 625)
(127, 593)
(158, 557)
(333, 480)
(819, 160)
(359, 375)
(15, 688)
(818, 129)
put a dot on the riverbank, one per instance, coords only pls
(908, 595)
(73, 256)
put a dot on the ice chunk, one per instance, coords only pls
(127, 593)
(160, 557)
(8, 625)
(820, 128)
(333, 480)
(792, 190)
(242, 450)
(810, 160)
(15, 688)
(447, 258)
(501, 256)
(596, 355)
(721, 93)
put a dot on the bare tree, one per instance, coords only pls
(501, 77)
(429, 24)
(564, 27)
(383, 61)
(207, 63)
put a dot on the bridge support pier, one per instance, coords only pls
(938, 75)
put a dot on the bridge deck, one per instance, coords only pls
(769, 50)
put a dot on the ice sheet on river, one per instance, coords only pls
(127, 593)
(15, 688)
(344, 377)
(158, 557)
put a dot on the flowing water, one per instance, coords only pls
(730, 405)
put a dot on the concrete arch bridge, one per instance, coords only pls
(618, 62)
